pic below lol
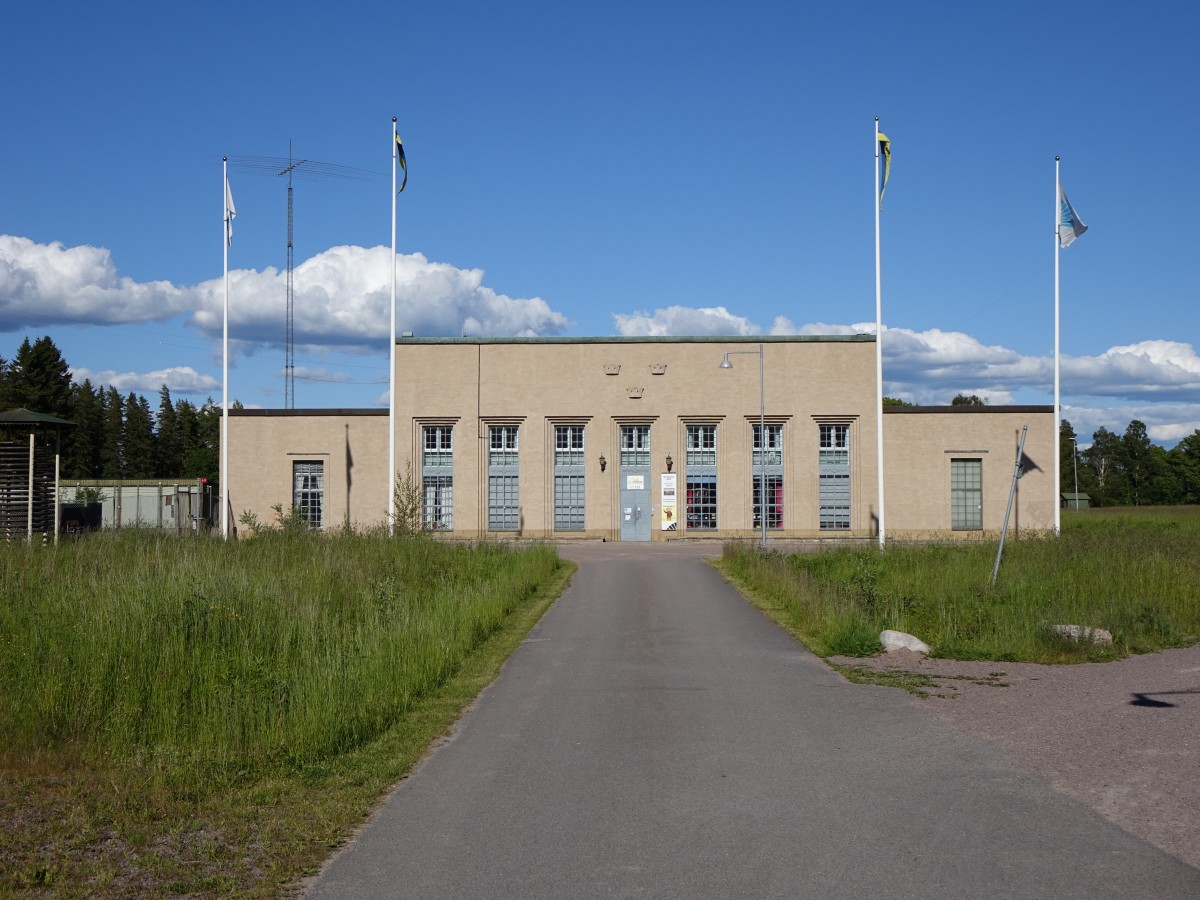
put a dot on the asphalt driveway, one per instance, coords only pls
(657, 736)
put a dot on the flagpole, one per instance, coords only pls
(1057, 406)
(391, 504)
(878, 344)
(225, 356)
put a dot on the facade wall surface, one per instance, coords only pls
(920, 445)
(456, 391)
(667, 384)
(351, 445)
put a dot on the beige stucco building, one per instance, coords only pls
(648, 439)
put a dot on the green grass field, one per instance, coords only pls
(186, 716)
(1134, 572)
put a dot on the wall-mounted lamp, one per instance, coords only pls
(670, 462)
(603, 462)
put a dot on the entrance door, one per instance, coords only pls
(635, 509)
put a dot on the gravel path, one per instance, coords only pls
(1122, 737)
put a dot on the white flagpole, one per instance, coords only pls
(878, 343)
(1057, 406)
(225, 357)
(391, 503)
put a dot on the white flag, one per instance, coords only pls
(1069, 226)
(230, 213)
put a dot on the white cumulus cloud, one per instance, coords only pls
(46, 284)
(1157, 382)
(342, 297)
(683, 320)
(179, 379)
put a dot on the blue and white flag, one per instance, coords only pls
(1069, 226)
(230, 214)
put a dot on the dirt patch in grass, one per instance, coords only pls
(922, 684)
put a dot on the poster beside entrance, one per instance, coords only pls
(670, 518)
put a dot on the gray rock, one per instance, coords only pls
(1082, 633)
(898, 640)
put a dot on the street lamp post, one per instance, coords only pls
(762, 431)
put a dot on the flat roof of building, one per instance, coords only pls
(890, 410)
(964, 409)
(255, 413)
(649, 339)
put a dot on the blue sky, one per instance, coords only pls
(602, 169)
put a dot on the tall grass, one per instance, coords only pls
(219, 659)
(1134, 573)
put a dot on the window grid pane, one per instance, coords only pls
(701, 445)
(504, 511)
(774, 451)
(308, 492)
(774, 501)
(569, 478)
(833, 465)
(635, 446)
(438, 513)
(568, 502)
(502, 441)
(966, 494)
(701, 502)
(439, 446)
(568, 445)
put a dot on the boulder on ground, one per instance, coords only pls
(1082, 633)
(898, 640)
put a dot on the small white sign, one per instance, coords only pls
(635, 482)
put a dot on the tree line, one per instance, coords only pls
(114, 436)
(122, 437)
(1128, 469)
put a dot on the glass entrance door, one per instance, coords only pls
(634, 472)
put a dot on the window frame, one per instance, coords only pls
(774, 455)
(570, 476)
(504, 477)
(308, 497)
(834, 483)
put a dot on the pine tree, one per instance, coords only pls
(1185, 461)
(112, 460)
(5, 403)
(1137, 461)
(203, 459)
(1068, 461)
(39, 379)
(168, 446)
(1104, 459)
(84, 454)
(138, 445)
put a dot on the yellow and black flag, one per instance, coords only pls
(403, 163)
(885, 150)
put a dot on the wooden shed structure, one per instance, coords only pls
(29, 451)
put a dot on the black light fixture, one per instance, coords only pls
(603, 462)
(670, 462)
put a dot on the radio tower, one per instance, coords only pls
(289, 338)
(312, 171)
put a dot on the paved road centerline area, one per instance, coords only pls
(657, 736)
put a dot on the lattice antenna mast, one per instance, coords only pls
(289, 339)
(312, 170)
